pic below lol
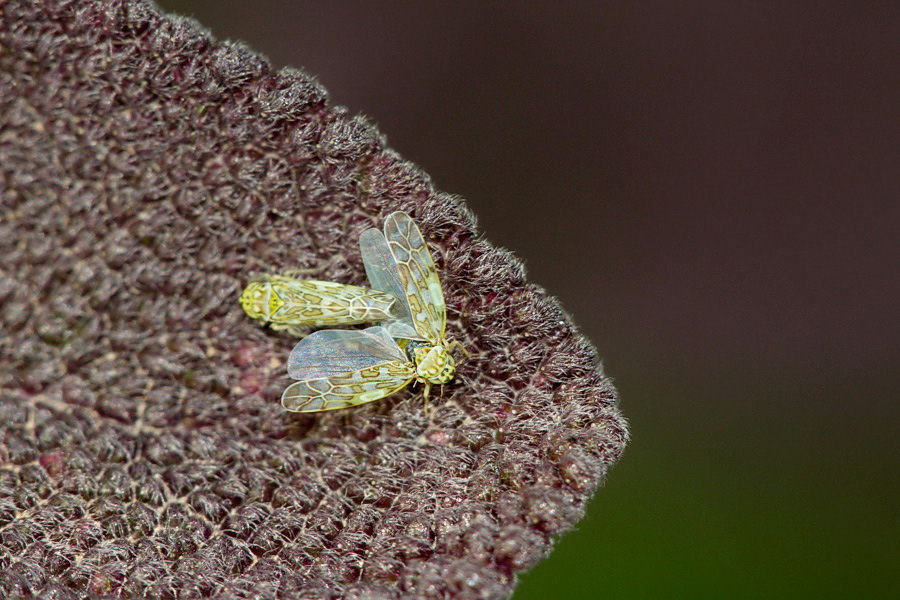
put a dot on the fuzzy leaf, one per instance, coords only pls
(147, 173)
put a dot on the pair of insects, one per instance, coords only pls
(344, 368)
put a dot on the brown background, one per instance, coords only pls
(711, 189)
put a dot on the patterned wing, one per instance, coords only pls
(286, 302)
(418, 275)
(338, 369)
(347, 389)
(383, 275)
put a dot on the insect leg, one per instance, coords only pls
(294, 331)
(426, 393)
(457, 345)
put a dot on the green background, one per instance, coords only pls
(711, 189)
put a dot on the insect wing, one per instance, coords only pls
(337, 351)
(347, 390)
(338, 369)
(286, 302)
(328, 303)
(417, 272)
(383, 275)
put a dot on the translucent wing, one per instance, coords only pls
(339, 368)
(338, 351)
(419, 277)
(384, 276)
(348, 389)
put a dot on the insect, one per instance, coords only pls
(341, 368)
(287, 303)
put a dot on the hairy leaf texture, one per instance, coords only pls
(147, 172)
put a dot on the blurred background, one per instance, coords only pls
(711, 189)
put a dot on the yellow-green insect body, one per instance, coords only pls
(343, 368)
(289, 303)
(434, 364)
